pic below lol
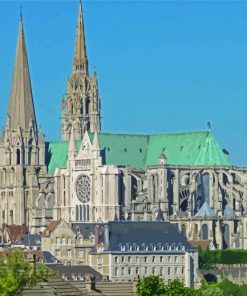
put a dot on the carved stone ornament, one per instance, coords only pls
(82, 187)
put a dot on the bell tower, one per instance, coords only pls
(22, 146)
(81, 106)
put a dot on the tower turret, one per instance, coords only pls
(81, 107)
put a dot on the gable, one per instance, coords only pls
(139, 151)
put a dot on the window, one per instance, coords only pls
(162, 271)
(137, 270)
(116, 259)
(116, 271)
(122, 271)
(58, 241)
(129, 259)
(122, 259)
(69, 240)
(145, 270)
(69, 253)
(153, 270)
(137, 259)
(182, 270)
(99, 260)
(161, 258)
(176, 259)
(169, 259)
(145, 259)
(182, 259)
(63, 241)
(169, 270)
(176, 270)
(153, 259)
(58, 253)
(129, 271)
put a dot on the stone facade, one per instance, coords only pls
(127, 250)
(70, 244)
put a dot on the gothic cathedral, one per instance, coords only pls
(93, 176)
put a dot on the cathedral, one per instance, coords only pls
(94, 176)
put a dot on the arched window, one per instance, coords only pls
(204, 231)
(8, 157)
(226, 236)
(77, 213)
(81, 213)
(30, 142)
(87, 106)
(71, 107)
(18, 156)
(84, 213)
(11, 177)
(183, 229)
(87, 213)
(195, 234)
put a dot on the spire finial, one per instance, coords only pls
(80, 63)
(21, 13)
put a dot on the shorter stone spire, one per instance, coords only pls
(80, 63)
(96, 146)
(21, 108)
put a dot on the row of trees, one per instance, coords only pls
(154, 286)
(208, 258)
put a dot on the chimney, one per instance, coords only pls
(106, 236)
(96, 233)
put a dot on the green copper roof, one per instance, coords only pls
(140, 151)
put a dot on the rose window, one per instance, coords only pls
(82, 186)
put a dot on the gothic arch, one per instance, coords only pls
(18, 156)
(204, 231)
(183, 230)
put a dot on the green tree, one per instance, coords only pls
(154, 286)
(177, 288)
(150, 286)
(16, 273)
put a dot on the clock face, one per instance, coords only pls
(82, 187)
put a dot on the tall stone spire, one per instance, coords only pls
(80, 63)
(81, 106)
(21, 108)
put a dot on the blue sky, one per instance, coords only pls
(163, 66)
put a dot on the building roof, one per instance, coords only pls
(33, 240)
(139, 151)
(49, 259)
(15, 232)
(86, 229)
(68, 272)
(205, 212)
(143, 234)
(50, 227)
(229, 213)
(204, 244)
